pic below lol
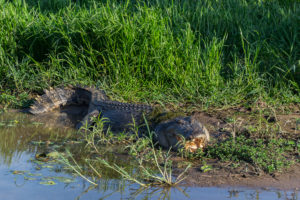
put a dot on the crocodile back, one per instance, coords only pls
(121, 116)
(108, 105)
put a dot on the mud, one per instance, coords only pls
(223, 175)
(223, 124)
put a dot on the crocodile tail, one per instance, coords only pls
(53, 98)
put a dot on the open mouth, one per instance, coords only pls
(195, 144)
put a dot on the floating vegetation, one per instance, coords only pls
(34, 174)
(47, 183)
(44, 180)
(29, 178)
(63, 179)
(47, 166)
(18, 172)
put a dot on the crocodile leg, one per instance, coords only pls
(88, 119)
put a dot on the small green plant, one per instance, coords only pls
(12, 101)
(265, 154)
(206, 168)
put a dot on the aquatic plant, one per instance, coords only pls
(164, 176)
(64, 159)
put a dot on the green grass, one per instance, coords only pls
(267, 155)
(10, 100)
(207, 53)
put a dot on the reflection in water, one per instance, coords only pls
(233, 193)
(21, 137)
(260, 194)
(17, 130)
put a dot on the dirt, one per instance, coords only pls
(223, 123)
(222, 175)
(236, 121)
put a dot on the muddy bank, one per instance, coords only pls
(221, 126)
(223, 175)
(238, 121)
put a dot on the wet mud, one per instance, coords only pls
(221, 128)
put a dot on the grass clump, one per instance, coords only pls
(9, 100)
(268, 155)
(142, 149)
(161, 175)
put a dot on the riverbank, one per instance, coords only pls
(263, 154)
(234, 64)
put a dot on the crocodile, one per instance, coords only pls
(121, 117)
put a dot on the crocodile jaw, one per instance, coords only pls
(194, 144)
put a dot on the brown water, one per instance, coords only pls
(23, 177)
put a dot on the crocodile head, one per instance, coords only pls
(185, 132)
(194, 144)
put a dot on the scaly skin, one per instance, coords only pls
(121, 116)
(64, 96)
(169, 133)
